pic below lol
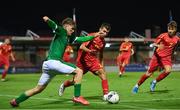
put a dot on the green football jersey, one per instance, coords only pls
(60, 41)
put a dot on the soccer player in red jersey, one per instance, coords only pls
(5, 53)
(88, 60)
(123, 59)
(67, 54)
(164, 44)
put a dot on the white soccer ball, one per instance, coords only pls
(113, 97)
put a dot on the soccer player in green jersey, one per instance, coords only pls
(54, 63)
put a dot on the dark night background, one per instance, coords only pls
(124, 16)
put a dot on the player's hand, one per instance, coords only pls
(45, 18)
(97, 34)
(93, 51)
(161, 46)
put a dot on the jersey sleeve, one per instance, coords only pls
(159, 38)
(82, 39)
(122, 47)
(53, 26)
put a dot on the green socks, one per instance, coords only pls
(77, 90)
(21, 98)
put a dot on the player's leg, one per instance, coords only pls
(122, 69)
(43, 82)
(96, 68)
(64, 85)
(152, 67)
(4, 73)
(70, 82)
(119, 63)
(64, 67)
(164, 74)
(104, 82)
(77, 87)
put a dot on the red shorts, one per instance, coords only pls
(4, 62)
(93, 65)
(123, 59)
(159, 62)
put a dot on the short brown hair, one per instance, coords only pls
(68, 21)
(172, 23)
(106, 25)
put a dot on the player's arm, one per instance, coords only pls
(50, 23)
(0, 49)
(156, 43)
(84, 48)
(123, 48)
(83, 38)
(132, 51)
(101, 58)
(12, 56)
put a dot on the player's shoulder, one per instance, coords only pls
(163, 34)
(91, 34)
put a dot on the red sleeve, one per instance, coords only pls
(122, 46)
(159, 38)
(131, 45)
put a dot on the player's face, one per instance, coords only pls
(104, 32)
(70, 29)
(172, 30)
(126, 39)
(7, 41)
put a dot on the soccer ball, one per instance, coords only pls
(113, 97)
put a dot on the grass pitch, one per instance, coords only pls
(166, 95)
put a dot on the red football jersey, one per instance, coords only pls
(97, 45)
(67, 54)
(5, 50)
(168, 42)
(127, 46)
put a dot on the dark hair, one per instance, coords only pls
(172, 23)
(68, 21)
(106, 25)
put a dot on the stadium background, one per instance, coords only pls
(147, 19)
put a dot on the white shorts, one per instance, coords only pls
(52, 67)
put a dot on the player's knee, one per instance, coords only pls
(148, 73)
(78, 71)
(102, 74)
(168, 70)
(6, 68)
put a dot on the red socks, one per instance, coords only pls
(122, 69)
(162, 76)
(143, 78)
(68, 83)
(105, 86)
(4, 74)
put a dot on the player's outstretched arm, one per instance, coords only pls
(82, 38)
(132, 51)
(12, 57)
(50, 22)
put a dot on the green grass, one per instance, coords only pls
(166, 96)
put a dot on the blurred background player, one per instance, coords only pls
(162, 57)
(54, 63)
(125, 52)
(68, 53)
(88, 59)
(5, 53)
